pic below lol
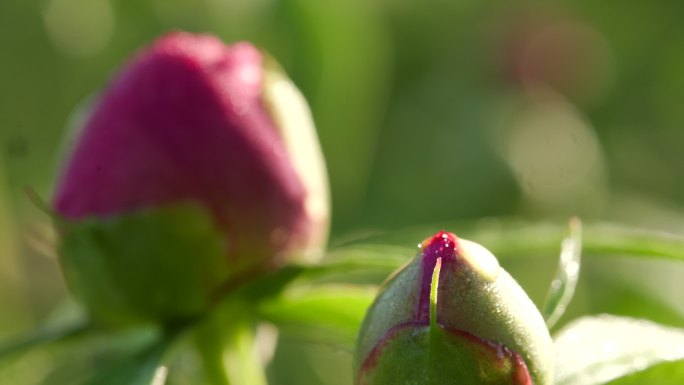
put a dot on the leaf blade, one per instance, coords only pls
(145, 368)
(41, 337)
(329, 315)
(506, 237)
(595, 350)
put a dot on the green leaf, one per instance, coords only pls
(144, 368)
(322, 314)
(506, 239)
(668, 373)
(341, 265)
(516, 238)
(71, 360)
(605, 289)
(265, 286)
(596, 350)
(362, 258)
(41, 337)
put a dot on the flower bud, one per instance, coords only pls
(193, 122)
(453, 316)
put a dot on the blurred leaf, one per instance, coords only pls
(611, 286)
(361, 259)
(668, 373)
(343, 262)
(563, 285)
(343, 265)
(41, 337)
(595, 350)
(144, 368)
(611, 240)
(506, 237)
(71, 360)
(324, 314)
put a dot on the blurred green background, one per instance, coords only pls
(427, 111)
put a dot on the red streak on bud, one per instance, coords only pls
(521, 375)
(442, 245)
(372, 360)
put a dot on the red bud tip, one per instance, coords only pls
(444, 246)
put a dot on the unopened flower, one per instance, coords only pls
(192, 122)
(453, 316)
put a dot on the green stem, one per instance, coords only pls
(242, 359)
(226, 343)
(209, 344)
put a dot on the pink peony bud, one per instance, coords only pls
(453, 316)
(196, 168)
(191, 119)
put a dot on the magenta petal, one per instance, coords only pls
(184, 121)
(444, 246)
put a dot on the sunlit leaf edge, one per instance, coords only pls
(597, 349)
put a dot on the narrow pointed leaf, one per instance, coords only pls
(563, 285)
(514, 238)
(144, 368)
(41, 337)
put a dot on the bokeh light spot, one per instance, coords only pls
(79, 27)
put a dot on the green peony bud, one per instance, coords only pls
(453, 316)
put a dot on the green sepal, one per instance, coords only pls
(161, 265)
(419, 354)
